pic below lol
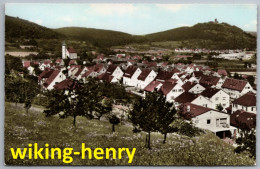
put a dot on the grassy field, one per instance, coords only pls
(22, 128)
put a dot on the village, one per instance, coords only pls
(215, 101)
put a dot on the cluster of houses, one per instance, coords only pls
(211, 99)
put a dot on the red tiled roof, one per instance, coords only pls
(72, 62)
(46, 62)
(198, 73)
(209, 80)
(106, 77)
(248, 99)
(100, 57)
(45, 74)
(234, 84)
(193, 110)
(26, 64)
(66, 84)
(222, 72)
(242, 119)
(151, 86)
(51, 78)
(186, 97)
(175, 70)
(151, 64)
(167, 87)
(88, 73)
(164, 75)
(71, 50)
(130, 71)
(188, 85)
(98, 67)
(111, 69)
(58, 61)
(78, 72)
(144, 74)
(209, 92)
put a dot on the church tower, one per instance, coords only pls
(63, 50)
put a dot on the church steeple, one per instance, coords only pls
(63, 50)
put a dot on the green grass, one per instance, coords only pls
(22, 128)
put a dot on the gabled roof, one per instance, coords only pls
(58, 60)
(46, 73)
(111, 69)
(67, 84)
(151, 86)
(46, 62)
(98, 67)
(186, 97)
(144, 74)
(167, 87)
(243, 119)
(72, 62)
(209, 92)
(248, 99)
(198, 73)
(78, 72)
(190, 110)
(188, 85)
(105, 77)
(222, 72)
(88, 73)
(209, 80)
(164, 75)
(51, 78)
(175, 70)
(130, 71)
(71, 50)
(234, 84)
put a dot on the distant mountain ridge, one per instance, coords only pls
(203, 35)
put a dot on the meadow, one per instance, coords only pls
(23, 128)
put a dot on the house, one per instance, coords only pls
(171, 90)
(163, 75)
(211, 81)
(55, 77)
(236, 88)
(115, 71)
(73, 70)
(243, 120)
(45, 64)
(130, 76)
(216, 96)
(44, 75)
(90, 73)
(153, 86)
(209, 119)
(187, 97)
(67, 84)
(195, 88)
(222, 72)
(79, 73)
(27, 65)
(247, 102)
(105, 77)
(146, 77)
(59, 62)
(100, 68)
(72, 62)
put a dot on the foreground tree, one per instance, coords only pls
(152, 114)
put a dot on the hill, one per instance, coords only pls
(99, 37)
(19, 28)
(208, 35)
(202, 35)
(23, 128)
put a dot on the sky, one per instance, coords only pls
(137, 19)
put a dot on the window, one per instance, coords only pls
(180, 90)
(216, 98)
(208, 121)
(252, 109)
(224, 98)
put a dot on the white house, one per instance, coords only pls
(206, 118)
(216, 96)
(188, 97)
(146, 77)
(236, 88)
(247, 102)
(171, 90)
(56, 77)
(115, 71)
(130, 76)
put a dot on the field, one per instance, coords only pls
(22, 128)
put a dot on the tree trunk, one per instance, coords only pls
(27, 110)
(149, 140)
(113, 128)
(164, 140)
(74, 121)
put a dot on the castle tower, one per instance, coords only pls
(63, 50)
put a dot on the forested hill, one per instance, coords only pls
(220, 35)
(99, 37)
(202, 35)
(20, 28)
